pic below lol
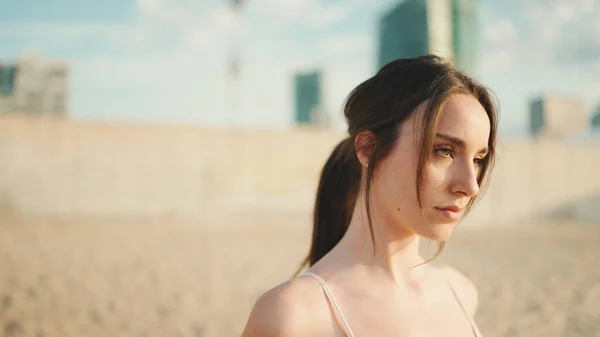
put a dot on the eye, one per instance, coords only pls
(445, 151)
(479, 161)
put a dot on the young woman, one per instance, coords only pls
(421, 141)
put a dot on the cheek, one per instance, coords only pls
(434, 180)
(396, 186)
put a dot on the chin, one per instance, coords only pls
(439, 231)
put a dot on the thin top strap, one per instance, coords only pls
(473, 325)
(331, 300)
(344, 323)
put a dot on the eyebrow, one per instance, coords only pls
(458, 142)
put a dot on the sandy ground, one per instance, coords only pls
(167, 277)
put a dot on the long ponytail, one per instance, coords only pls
(336, 195)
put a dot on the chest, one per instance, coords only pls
(411, 322)
(437, 315)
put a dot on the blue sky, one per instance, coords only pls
(158, 60)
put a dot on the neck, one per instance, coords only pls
(396, 249)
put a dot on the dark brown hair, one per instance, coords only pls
(380, 105)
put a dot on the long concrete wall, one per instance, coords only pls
(75, 168)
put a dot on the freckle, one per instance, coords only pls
(398, 208)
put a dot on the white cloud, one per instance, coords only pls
(343, 43)
(322, 17)
(501, 32)
(500, 50)
(498, 61)
(557, 34)
(310, 13)
(283, 9)
(158, 61)
(226, 20)
(535, 10)
(564, 12)
(596, 67)
(591, 92)
(149, 6)
(200, 38)
(557, 9)
(62, 30)
(554, 48)
(587, 6)
(548, 19)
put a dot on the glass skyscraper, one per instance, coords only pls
(7, 79)
(464, 30)
(307, 95)
(403, 32)
(596, 118)
(536, 116)
(444, 27)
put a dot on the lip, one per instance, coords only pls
(451, 212)
(455, 209)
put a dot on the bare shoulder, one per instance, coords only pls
(290, 309)
(465, 288)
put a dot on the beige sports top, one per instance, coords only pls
(344, 324)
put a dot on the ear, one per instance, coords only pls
(364, 144)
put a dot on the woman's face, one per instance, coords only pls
(450, 176)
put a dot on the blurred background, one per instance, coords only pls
(159, 159)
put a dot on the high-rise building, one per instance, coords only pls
(403, 32)
(7, 79)
(34, 85)
(464, 34)
(557, 116)
(308, 95)
(596, 118)
(446, 28)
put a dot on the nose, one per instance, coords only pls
(465, 180)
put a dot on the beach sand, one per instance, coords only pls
(174, 277)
